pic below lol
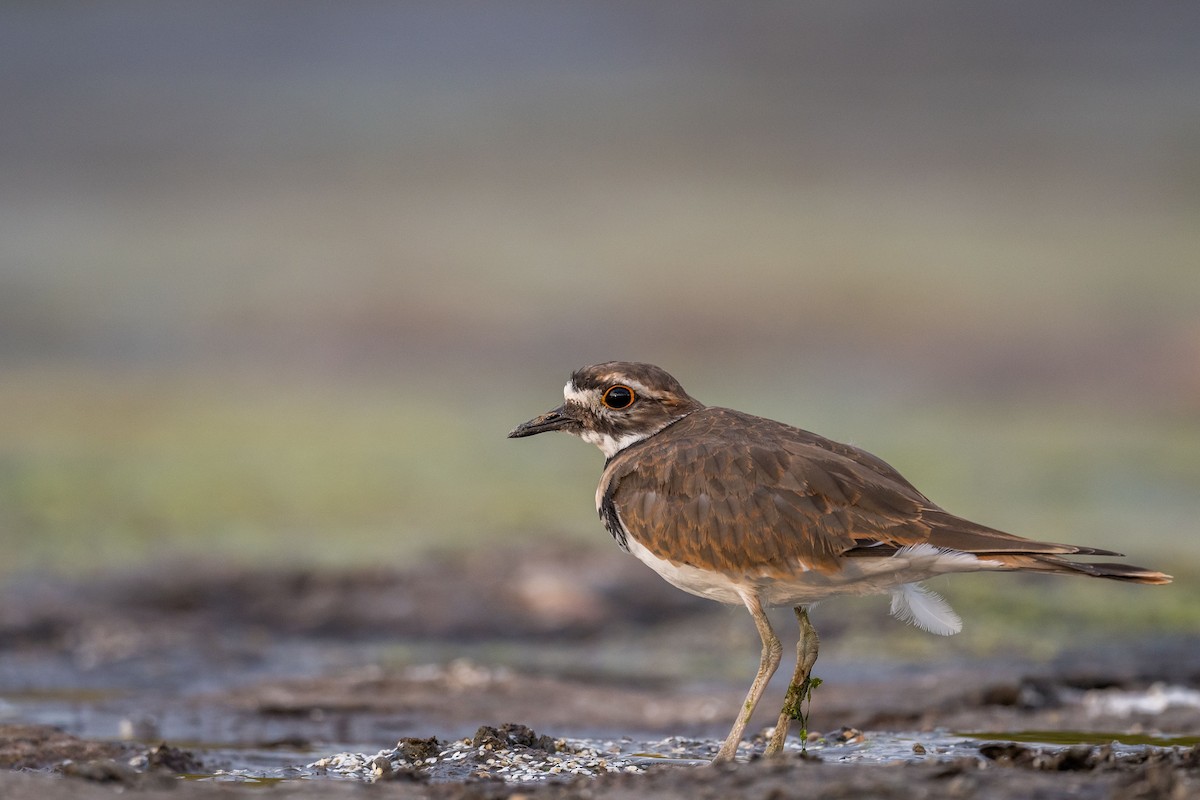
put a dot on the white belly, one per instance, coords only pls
(859, 576)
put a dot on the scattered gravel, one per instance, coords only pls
(512, 753)
(516, 754)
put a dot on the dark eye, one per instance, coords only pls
(618, 397)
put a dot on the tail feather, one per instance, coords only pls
(1054, 564)
(1121, 572)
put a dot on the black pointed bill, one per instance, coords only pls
(554, 420)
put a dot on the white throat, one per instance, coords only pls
(611, 445)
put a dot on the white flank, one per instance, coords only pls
(702, 582)
(916, 605)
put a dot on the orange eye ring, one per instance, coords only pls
(618, 397)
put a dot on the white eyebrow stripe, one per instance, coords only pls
(574, 395)
(571, 393)
(638, 389)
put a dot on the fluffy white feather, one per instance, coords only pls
(916, 605)
(939, 560)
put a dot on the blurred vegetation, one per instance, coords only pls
(102, 472)
(276, 280)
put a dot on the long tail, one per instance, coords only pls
(1061, 566)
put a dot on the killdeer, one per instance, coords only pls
(745, 510)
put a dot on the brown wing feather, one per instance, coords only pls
(732, 492)
(757, 496)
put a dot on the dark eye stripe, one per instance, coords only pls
(618, 397)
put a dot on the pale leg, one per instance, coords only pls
(797, 693)
(772, 651)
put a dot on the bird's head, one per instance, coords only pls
(615, 404)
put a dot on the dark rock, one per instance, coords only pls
(1081, 756)
(416, 750)
(1008, 753)
(174, 760)
(512, 734)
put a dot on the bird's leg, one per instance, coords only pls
(772, 651)
(800, 689)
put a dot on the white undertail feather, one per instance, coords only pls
(939, 560)
(916, 605)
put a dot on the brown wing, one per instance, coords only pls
(733, 492)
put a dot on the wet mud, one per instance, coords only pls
(536, 674)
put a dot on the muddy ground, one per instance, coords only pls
(237, 679)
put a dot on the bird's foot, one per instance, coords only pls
(796, 706)
(727, 753)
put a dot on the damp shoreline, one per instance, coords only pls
(309, 683)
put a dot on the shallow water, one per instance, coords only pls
(257, 705)
(253, 747)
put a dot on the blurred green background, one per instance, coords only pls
(277, 278)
